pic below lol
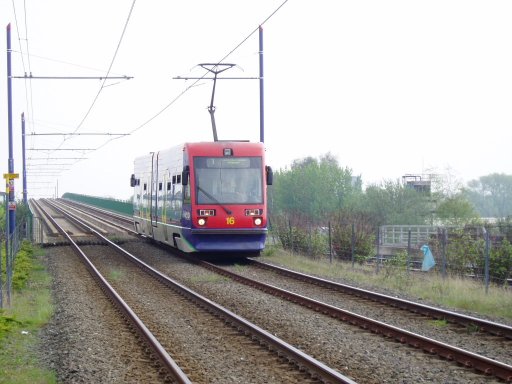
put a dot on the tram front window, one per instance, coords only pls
(233, 180)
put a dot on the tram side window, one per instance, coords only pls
(137, 193)
(176, 179)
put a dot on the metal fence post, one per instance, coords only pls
(444, 240)
(408, 256)
(330, 244)
(487, 248)
(310, 234)
(353, 244)
(377, 261)
(291, 234)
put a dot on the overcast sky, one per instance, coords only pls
(387, 87)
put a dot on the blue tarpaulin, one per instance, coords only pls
(428, 258)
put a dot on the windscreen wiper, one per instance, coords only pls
(228, 211)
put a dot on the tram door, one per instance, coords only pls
(154, 192)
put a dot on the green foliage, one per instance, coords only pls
(355, 228)
(491, 195)
(22, 215)
(398, 260)
(2, 217)
(392, 203)
(452, 292)
(23, 264)
(299, 238)
(456, 210)
(505, 227)
(313, 188)
(314, 192)
(269, 251)
(464, 252)
(501, 261)
(439, 323)
(7, 324)
(30, 309)
(395, 270)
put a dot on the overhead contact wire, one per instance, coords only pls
(206, 73)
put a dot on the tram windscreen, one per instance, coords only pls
(228, 180)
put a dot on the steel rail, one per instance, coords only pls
(303, 361)
(468, 359)
(118, 216)
(150, 339)
(43, 215)
(426, 310)
(79, 208)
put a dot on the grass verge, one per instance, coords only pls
(30, 309)
(452, 292)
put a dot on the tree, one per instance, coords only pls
(491, 195)
(456, 210)
(314, 189)
(392, 203)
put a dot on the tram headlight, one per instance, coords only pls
(258, 221)
(201, 221)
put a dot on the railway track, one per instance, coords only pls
(305, 368)
(474, 361)
(407, 305)
(461, 356)
(141, 330)
(122, 221)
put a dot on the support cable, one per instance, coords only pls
(206, 73)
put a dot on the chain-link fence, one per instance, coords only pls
(483, 253)
(10, 245)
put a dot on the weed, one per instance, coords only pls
(116, 274)
(453, 292)
(439, 323)
(30, 309)
(472, 328)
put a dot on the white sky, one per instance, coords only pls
(388, 87)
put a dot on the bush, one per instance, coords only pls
(364, 242)
(23, 264)
(500, 266)
(305, 239)
(464, 252)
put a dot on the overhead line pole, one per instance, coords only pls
(262, 109)
(9, 90)
(212, 68)
(10, 176)
(25, 201)
(211, 108)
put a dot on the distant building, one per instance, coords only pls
(420, 183)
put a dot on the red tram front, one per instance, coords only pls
(216, 203)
